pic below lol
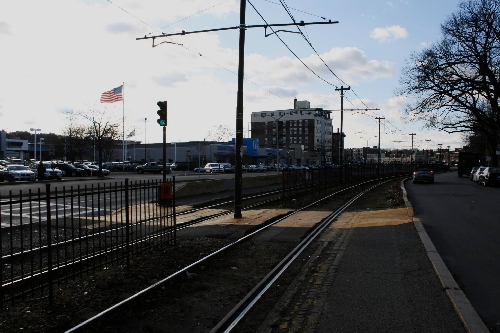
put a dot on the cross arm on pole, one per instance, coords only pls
(182, 33)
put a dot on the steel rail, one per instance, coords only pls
(235, 313)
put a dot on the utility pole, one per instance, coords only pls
(238, 172)
(411, 157)
(378, 158)
(239, 102)
(341, 140)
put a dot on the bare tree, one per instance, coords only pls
(453, 85)
(103, 131)
(221, 133)
(74, 134)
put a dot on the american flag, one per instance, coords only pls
(114, 95)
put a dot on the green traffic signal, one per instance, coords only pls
(162, 113)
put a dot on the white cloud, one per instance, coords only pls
(349, 63)
(389, 34)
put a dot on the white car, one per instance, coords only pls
(95, 168)
(15, 172)
(478, 173)
(213, 168)
(51, 171)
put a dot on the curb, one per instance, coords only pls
(468, 315)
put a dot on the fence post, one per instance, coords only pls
(173, 211)
(127, 224)
(49, 245)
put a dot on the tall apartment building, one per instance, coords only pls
(302, 134)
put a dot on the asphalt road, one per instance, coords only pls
(180, 177)
(462, 219)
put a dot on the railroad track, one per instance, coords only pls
(237, 241)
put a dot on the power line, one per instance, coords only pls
(282, 41)
(285, 6)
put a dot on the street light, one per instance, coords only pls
(35, 129)
(41, 140)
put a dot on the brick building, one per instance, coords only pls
(302, 134)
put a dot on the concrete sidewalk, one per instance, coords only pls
(378, 272)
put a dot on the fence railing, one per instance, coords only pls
(53, 235)
(297, 182)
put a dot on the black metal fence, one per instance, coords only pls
(296, 182)
(58, 234)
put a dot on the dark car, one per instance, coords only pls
(490, 176)
(72, 171)
(423, 175)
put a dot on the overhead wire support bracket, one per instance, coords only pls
(275, 32)
(165, 42)
(302, 23)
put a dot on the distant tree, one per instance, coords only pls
(453, 85)
(220, 133)
(103, 132)
(21, 135)
(75, 138)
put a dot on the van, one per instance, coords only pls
(213, 168)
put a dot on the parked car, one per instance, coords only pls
(94, 169)
(478, 173)
(490, 176)
(423, 175)
(261, 168)
(15, 172)
(214, 168)
(251, 168)
(51, 170)
(228, 167)
(472, 172)
(71, 171)
(200, 169)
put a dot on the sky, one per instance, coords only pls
(59, 56)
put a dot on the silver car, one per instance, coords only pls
(15, 172)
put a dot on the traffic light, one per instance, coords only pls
(162, 113)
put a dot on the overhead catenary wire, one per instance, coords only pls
(285, 6)
(232, 71)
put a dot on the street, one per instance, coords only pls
(461, 218)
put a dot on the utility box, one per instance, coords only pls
(164, 196)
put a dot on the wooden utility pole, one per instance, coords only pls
(239, 102)
(411, 157)
(341, 141)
